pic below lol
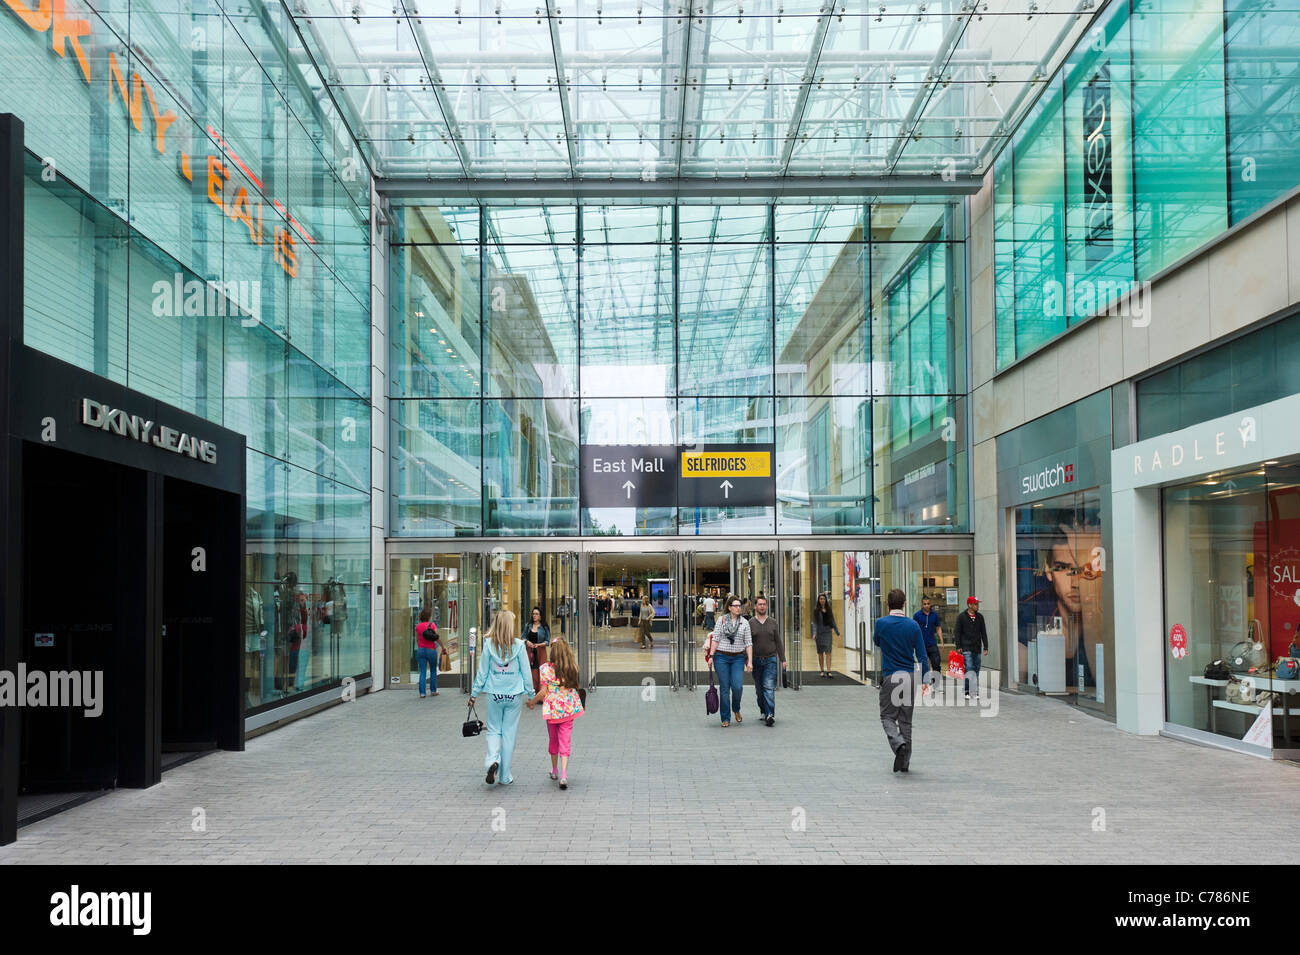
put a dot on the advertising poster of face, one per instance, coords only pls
(1059, 569)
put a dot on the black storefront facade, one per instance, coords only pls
(123, 542)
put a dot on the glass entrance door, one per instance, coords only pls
(633, 618)
(538, 587)
(827, 614)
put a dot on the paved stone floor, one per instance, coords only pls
(388, 778)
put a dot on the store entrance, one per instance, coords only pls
(644, 613)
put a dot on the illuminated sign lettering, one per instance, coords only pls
(231, 197)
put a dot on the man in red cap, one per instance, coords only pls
(972, 640)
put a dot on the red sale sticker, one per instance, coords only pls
(1178, 641)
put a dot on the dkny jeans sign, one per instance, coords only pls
(138, 428)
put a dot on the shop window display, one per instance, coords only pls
(1059, 569)
(1232, 602)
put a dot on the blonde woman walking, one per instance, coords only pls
(502, 672)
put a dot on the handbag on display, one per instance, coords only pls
(711, 696)
(1288, 668)
(472, 726)
(1240, 691)
(1245, 656)
(1217, 670)
(956, 665)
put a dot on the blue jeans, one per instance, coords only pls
(731, 682)
(428, 656)
(502, 724)
(765, 672)
(972, 664)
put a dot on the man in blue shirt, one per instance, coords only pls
(931, 631)
(900, 642)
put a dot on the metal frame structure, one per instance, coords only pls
(801, 89)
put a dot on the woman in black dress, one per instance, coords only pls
(823, 624)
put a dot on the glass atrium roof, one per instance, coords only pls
(644, 90)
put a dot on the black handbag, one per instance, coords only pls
(1217, 670)
(711, 697)
(472, 726)
(785, 679)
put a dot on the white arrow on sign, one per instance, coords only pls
(726, 489)
(628, 486)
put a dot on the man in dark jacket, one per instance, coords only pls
(972, 640)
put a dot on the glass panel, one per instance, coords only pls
(435, 327)
(821, 327)
(74, 277)
(530, 467)
(531, 321)
(1038, 155)
(1252, 370)
(919, 455)
(1004, 253)
(725, 320)
(436, 468)
(823, 455)
(1179, 174)
(628, 340)
(918, 331)
(1263, 73)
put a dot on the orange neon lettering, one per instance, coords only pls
(38, 19)
(185, 167)
(160, 120)
(216, 173)
(240, 209)
(131, 102)
(68, 31)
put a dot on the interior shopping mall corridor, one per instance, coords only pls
(389, 778)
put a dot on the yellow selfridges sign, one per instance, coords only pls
(722, 464)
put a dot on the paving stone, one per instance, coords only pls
(389, 779)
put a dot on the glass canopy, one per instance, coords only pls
(663, 89)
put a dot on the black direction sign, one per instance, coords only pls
(626, 475)
(727, 475)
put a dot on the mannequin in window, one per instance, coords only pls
(254, 646)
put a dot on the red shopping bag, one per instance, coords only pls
(956, 665)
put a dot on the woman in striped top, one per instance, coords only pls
(731, 652)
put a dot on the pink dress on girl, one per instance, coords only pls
(560, 708)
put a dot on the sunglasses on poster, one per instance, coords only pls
(1086, 571)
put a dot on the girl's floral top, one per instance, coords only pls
(561, 702)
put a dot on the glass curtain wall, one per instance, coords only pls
(198, 230)
(832, 332)
(1167, 124)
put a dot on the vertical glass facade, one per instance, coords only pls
(834, 332)
(198, 230)
(1167, 124)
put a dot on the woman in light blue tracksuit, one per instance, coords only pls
(503, 673)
